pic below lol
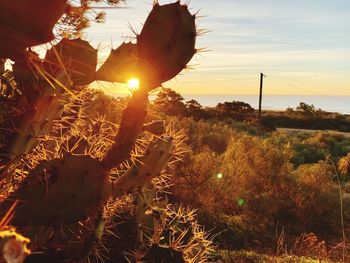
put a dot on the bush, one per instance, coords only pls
(193, 177)
(256, 171)
(316, 198)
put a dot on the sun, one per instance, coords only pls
(133, 84)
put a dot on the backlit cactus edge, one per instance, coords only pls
(72, 190)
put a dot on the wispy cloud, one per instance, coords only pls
(308, 38)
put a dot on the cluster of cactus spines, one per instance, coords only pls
(71, 187)
(61, 191)
(155, 127)
(39, 113)
(94, 140)
(166, 233)
(172, 234)
(149, 166)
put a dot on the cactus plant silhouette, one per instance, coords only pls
(72, 188)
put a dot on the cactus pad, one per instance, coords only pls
(163, 254)
(27, 23)
(28, 79)
(37, 120)
(150, 165)
(76, 56)
(61, 191)
(121, 65)
(167, 40)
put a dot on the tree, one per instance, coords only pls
(79, 14)
(235, 109)
(170, 102)
(193, 105)
(307, 109)
(195, 109)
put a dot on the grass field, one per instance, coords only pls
(346, 134)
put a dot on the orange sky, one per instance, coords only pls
(302, 46)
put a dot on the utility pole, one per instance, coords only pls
(2, 70)
(260, 100)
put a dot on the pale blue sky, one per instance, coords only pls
(303, 46)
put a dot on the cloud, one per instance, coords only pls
(308, 38)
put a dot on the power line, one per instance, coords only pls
(293, 85)
(245, 73)
(222, 79)
(304, 89)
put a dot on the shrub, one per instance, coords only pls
(316, 198)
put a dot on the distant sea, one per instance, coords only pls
(339, 104)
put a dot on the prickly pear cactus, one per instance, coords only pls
(173, 234)
(68, 174)
(27, 23)
(164, 47)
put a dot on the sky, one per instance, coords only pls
(302, 46)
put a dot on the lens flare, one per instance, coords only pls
(240, 201)
(133, 84)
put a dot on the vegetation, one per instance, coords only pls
(83, 177)
(263, 194)
(87, 178)
(306, 116)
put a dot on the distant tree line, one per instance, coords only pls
(172, 103)
(304, 116)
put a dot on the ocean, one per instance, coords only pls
(340, 104)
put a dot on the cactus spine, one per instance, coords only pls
(121, 64)
(43, 105)
(71, 189)
(176, 28)
(75, 56)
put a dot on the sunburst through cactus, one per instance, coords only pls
(76, 177)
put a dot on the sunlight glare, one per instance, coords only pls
(133, 84)
(240, 201)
